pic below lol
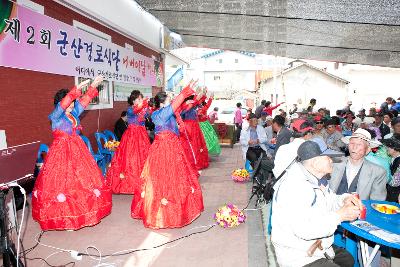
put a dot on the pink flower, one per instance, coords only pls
(61, 197)
(97, 192)
(164, 201)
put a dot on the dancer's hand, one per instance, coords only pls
(83, 84)
(97, 81)
(199, 95)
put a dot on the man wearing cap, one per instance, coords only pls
(305, 214)
(302, 131)
(383, 128)
(355, 174)
(319, 129)
(348, 127)
(253, 140)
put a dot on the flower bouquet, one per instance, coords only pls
(240, 175)
(111, 145)
(229, 216)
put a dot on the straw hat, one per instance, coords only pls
(364, 135)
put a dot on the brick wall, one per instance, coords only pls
(26, 97)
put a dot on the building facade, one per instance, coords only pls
(27, 96)
(301, 82)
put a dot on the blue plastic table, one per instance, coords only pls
(390, 223)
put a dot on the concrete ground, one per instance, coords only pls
(241, 246)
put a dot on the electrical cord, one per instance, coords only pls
(23, 192)
(51, 255)
(101, 257)
(48, 264)
(38, 238)
(37, 243)
(130, 251)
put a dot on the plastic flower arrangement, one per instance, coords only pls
(240, 175)
(229, 216)
(111, 145)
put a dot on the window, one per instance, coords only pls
(217, 78)
(105, 98)
(220, 61)
(236, 60)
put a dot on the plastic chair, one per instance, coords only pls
(43, 148)
(110, 135)
(97, 157)
(248, 167)
(339, 240)
(101, 139)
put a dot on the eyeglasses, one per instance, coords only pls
(319, 122)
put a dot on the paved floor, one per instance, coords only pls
(241, 246)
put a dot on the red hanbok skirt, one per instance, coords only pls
(171, 194)
(187, 148)
(69, 192)
(127, 164)
(198, 143)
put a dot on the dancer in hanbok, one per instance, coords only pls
(208, 131)
(127, 163)
(171, 194)
(70, 192)
(195, 137)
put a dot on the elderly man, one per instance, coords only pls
(332, 137)
(302, 131)
(355, 174)
(282, 138)
(305, 213)
(253, 140)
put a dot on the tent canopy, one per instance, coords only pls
(351, 31)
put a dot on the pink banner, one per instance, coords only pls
(32, 41)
